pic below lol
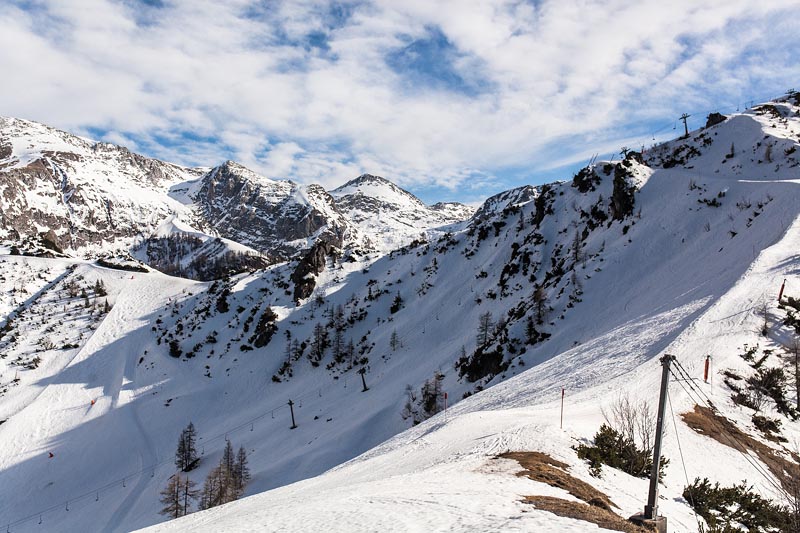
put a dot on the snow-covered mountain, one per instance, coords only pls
(581, 284)
(391, 216)
(91, 198)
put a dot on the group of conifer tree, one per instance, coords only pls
(225, 482)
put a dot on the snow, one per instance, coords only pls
(443, 474)
(669, 279)
(392, 217)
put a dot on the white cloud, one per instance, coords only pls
(246, 74)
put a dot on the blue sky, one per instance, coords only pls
(453, 100)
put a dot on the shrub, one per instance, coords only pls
(613, 449)
(735, 508)
(175, 349)
(769, 427)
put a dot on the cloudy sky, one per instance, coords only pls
(453, 100)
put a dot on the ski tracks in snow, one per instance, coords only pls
(124, 315)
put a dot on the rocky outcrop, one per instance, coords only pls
(715, 118)
(273, 217)
(312, 263)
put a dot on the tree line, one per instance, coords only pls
(224, 483)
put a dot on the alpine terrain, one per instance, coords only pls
(357, 360)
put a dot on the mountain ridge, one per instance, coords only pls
(73, 189)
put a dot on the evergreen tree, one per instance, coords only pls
(397, 303)
(540, 301)
(350, 352)
(319, 341)
(394, 341)
(530, 330)
(228, 459)
(241, 471)
(338, 345)
(485, 326)
(186, 454)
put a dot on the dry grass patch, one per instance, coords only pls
(543, 468)
(597, 509)
(722, 430)
(588, 513)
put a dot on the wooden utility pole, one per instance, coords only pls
(650, 517)
(363, 379)
(291, 409)
(685, 125)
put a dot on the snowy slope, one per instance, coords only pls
(615, 284)
(444, 474)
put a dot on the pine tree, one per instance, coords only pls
(242, 471)
(397, 303)
(530, 331)
(228, 459)
(576, 248)
(226, 481)
(186, 454)
(319, 341)
(350, 352)
(485, 326)
(394, 341)
(338, 345)
(211, 496)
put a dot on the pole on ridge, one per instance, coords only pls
(685, 125)
(291, 409)
(650, 516)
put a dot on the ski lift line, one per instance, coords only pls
(730, 108)
(698, 390)
(736, 445)
(151, 468)
(115, 483)
(680, 452)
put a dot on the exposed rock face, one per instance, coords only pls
(543, 204)
(714, 119)
(308, 267)
(500, 202)
(91, 196)
(92, 199)
(274, 217)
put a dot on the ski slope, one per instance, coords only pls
(678, 276)
(443, 475)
